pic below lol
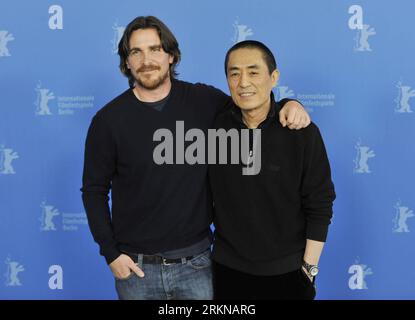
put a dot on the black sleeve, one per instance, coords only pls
(282, 103)
(99, 168)
(221, 101)
(317, 190)
(218, 99)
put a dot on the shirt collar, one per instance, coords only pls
(271, 116)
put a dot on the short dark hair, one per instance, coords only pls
(167, 39)
(252, 44)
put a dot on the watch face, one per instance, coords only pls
(314, 271)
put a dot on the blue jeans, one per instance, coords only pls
(189, 280)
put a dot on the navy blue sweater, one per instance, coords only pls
(155, 208)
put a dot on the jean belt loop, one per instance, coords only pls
(140, 260)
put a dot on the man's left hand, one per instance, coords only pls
(294, 116)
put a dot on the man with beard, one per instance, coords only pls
(156, 238)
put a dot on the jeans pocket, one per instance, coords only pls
(131, 275)
(201, 261)
(126, 278)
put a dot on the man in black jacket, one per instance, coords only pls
(270, 225)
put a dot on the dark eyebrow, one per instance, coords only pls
(156, 46)
(252, 67)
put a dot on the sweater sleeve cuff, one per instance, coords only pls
(317, 232)
(111, 254)
(282, 102)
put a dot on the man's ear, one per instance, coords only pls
(275, 76)
(171, 59)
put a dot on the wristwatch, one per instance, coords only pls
(311, 269)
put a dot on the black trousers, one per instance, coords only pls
(230, 284)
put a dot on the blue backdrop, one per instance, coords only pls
(351, 63)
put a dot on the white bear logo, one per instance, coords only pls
(5, 37)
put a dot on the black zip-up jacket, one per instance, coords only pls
(262, 221)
